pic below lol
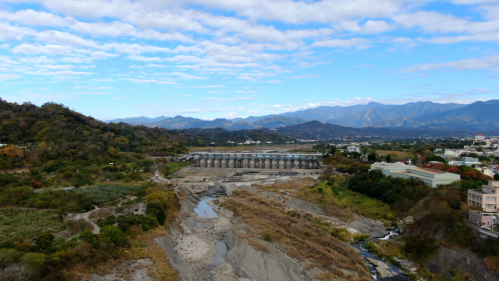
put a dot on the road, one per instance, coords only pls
(482, 230)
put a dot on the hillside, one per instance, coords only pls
(411, 110)
(54, 132)
(318, 130)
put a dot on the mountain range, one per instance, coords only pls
(478, 117)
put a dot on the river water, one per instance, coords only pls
(204, 210)
(366, 254)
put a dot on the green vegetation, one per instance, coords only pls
(16, 225)
(106, 193)
(336, 192)
(156, 210)
(400, 193)
(170, 169)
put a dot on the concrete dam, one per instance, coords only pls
(256, 160)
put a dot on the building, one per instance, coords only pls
(486, 198)
(353, 148)
(481, 218)
(428, 176)
(479, 137)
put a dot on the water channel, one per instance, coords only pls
(204, 210)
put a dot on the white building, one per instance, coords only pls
(352, 148)
(479, 137)
(428, 176)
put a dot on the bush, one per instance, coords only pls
(34, 260)
(8, 256)
(419, 248)
(156, 210)
(115, 235)
(44, 240)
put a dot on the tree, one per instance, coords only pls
(114, 234)
(156, 210)
(35, 184)
(44, 240)
(388, 158)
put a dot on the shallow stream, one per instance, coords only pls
(204, 210)
(366, 254)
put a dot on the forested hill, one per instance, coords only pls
(52, 131)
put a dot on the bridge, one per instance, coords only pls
(257, 160)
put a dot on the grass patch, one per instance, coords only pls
(335, 198)
(16, 225)
(106, 193)
(169, 170)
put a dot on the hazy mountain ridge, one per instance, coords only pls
(473, 118)
(318, 130)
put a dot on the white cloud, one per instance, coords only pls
(304, 76)
(490, 63)
(444, 23)
(8, 32)
(41, 49)
(64, 38)
(246, 92)
(9, 76)
(31, 17)
(463, 38)
(54, 67)
(151, 81)
(186, 76)
(344, 43)
(370, 26)
(209, 86)
(273, 81)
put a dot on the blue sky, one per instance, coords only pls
(225, 59)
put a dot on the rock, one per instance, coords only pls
(383, 269)
(258, 265)
(372, 227)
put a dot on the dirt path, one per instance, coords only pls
(85, 216)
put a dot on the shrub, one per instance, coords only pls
(156, 210)
(34, 260)
(44, 240)
(115, 235)
(8, 256)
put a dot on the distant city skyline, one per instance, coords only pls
(227, 59)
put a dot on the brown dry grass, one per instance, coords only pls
(399, 153)
(302, 240)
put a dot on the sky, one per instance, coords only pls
(236, 58)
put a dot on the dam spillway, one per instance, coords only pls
(257, 160)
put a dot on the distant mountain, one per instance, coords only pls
(412, 110)
(475, 117)
(318, 130)
(141, 120)
(324, 113)
(180, 122)
(479, 116)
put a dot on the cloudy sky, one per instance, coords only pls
(234, 58)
